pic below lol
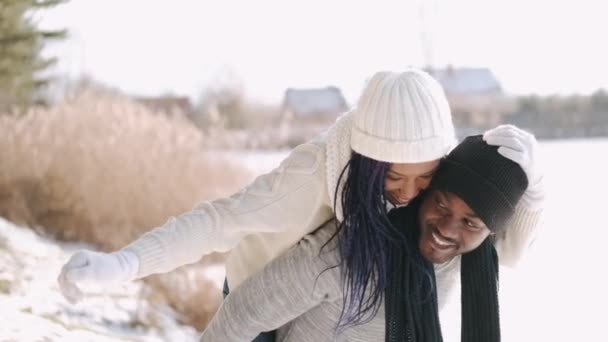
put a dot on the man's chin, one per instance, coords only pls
(432, 255)
(433, 260)
(439, 261)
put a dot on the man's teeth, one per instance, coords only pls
(441, 241)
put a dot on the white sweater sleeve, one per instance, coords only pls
(520, 233)
(274, 202)
(289, 286)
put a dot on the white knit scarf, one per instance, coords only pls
(338, 153)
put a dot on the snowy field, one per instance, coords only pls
(560, 291)
(557, 294)
(32, 308)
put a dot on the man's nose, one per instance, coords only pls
(448, 227)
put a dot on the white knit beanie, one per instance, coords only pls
(402, 117)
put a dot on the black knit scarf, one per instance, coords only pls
(411, 307)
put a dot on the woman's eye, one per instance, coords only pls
(393, 178)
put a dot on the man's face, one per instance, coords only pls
(449, 227)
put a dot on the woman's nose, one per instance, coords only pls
(410, 190)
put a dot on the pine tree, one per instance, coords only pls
(21, 43)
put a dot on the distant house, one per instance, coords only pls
(315, 104)
(475, 95)
(307, 112)
(167, 104)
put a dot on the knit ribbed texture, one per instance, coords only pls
(522, 230)
(489, 183)
(151, 254)
(479, 305)
(157, 254)
(400, 118)
(337, 155)
(129, 262)
(246, 311)
(524, 219)
(403, 118)
(411, 306)
(492, 186)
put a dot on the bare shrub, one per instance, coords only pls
(102, 169)
(189, 290)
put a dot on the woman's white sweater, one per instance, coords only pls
(272, 214)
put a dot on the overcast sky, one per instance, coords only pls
(152, 47)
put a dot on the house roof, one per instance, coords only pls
(314, 100)
(467, 81)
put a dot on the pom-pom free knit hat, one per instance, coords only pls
(402, 117)
(488, 182)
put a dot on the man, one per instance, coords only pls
(302, 293)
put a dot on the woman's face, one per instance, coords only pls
(448, 227)
(405, 181)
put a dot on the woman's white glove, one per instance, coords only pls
(88, 267)
(522, 148)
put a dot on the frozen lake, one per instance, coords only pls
(560, 292)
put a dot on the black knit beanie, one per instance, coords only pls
(488, 182)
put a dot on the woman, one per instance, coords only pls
(303, 292)
(399, 130)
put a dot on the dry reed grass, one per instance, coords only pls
(102, 169)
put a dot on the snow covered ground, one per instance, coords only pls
(32, 308)
(558, 293)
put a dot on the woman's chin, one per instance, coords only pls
(398, 203)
